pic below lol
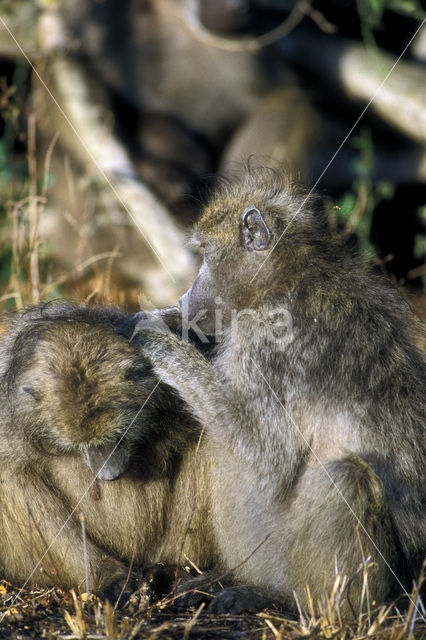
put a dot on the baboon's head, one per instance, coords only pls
(79, 384)
(256, 231)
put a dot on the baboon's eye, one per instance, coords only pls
(32, 392)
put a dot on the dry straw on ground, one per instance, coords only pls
(51, 613)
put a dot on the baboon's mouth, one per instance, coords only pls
(108, 461)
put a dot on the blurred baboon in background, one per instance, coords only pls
(314, 403)
(79, 399)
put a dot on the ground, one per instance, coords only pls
(52, 614)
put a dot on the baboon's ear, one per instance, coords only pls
(32, 392)
(255, 235)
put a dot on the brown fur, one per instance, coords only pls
(71, 386)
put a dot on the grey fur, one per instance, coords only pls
(317, 441)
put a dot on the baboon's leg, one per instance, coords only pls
(333, 519)
(337, 519)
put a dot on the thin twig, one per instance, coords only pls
(34, 209)
(127, 580)
(191, 623)
(193, 509)
(30, 534)
(86, 568)
(47, 162)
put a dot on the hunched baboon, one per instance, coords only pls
(74, 387)
(313, 402)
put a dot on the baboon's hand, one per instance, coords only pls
(194, 591)
(179, 364)
(172, 357)
(239, 599)
(234, 599)
(145, 320)
(157, 341)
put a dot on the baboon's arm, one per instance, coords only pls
(229, 415)
(180, 365)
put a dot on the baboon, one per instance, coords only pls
(80, 406)
(313, 402)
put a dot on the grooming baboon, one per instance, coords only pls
(313, 403)
(72, 389)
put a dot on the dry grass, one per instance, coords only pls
(51, 613)
(31, 280)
